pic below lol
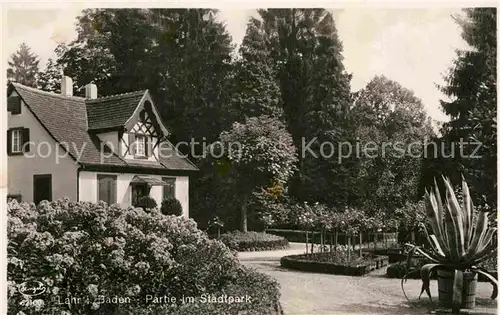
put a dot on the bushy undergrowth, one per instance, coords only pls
(93, 252)
(253, 241)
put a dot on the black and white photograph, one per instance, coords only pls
(184, 159)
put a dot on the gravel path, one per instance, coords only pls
(306, 293)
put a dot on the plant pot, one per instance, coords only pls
(445, 286)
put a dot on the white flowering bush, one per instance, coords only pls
(92, 252)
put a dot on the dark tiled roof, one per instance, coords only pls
(65, 118)
(112, 111)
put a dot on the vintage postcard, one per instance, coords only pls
(261, 159)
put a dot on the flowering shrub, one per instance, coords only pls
(92, 252)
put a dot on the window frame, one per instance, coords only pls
(143, 141)
(172, 187)
(15, 131)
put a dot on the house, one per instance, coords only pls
(111, 148)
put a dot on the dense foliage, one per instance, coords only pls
(146, 203)
(254, 155)
(253, 241)
(289, 67)
(23, 66)
(471, 86)
(171, 206)
(94, 251)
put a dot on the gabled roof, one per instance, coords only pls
(68, 121)
(112, 111)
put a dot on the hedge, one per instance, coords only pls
(253, 241)
(92, 251)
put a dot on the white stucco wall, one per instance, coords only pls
(38, 161)
(88, 189)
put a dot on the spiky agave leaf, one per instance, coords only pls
(487, 253)
(433, 241)
(491, 279)
(433, 219)
(486, 240)
(425, 275)
(452, 236)
(467, 211)
(441, 214)
(454, 211)
(479, 232)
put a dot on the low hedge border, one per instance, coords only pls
(301, 262)
(253, 241)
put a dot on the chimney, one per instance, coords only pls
(66, 86)
(91, 91)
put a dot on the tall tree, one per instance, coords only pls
(113, 49)
(315, 89)
(50, 78)
(257, 154)
(23, 66)
(183, 56)
(471, 85)
(195, 53)
(256, 88)
(394, 120)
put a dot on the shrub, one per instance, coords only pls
(253, 241)
(146, 202)
(92, 250)
(171, 206)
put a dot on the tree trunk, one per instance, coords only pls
(360, 245)
(312, 243)
(307, 241)
(322, 244)
(244, 227)
(336, 239)
(349, 248)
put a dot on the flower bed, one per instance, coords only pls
(334, 263)
(253, 241)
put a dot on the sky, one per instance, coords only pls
(414, 47)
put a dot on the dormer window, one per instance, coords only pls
(140, 145)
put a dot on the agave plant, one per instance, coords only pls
(456, 244)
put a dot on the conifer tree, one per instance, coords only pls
(256, 88)
(23, 66)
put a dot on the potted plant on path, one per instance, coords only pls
(457, 246)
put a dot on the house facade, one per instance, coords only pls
(113, 148)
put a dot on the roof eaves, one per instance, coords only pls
(38, 119)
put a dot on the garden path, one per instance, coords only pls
(306, 293)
